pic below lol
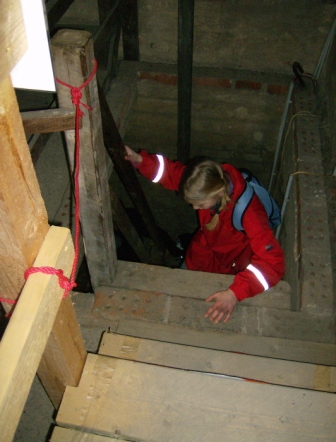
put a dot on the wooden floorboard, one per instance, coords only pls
(147, 402)
(274, 371)
(277, 348)
(69, 435)
(190, 284)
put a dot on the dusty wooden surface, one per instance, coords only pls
(12, 36)
(153, 403)
(65, 354)
(69, 435)
(274, 371)
(27, 333)
(23, 217)
(198, 285)
(293, 350)
(48, 120)
(73, 63)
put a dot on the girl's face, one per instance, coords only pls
(208, 203)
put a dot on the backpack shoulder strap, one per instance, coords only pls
(253, 186)
(241, 206)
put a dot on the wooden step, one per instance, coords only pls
(190, 284)
(61, 434)
(268, 370)
(276, 348)
(138, 401)
(177, 297)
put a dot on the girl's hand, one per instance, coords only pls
(132, 156)
(223, 307)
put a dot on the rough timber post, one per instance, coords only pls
(73, 63)
(23, 227)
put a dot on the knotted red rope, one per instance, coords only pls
(64, 282)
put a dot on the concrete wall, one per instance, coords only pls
(256, 35)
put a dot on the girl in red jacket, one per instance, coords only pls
(253, 255)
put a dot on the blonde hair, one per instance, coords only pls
(203, 179)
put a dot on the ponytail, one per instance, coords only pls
(203, 179)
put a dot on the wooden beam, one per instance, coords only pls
(48, 120)
(73, 57)
(185, 357)
(12, 36)
(185, 64)
(23, 217)
(116, 150)
(128, 230)
(24, 225)
(276, 348)
(26, 335)
(69, 435)
(64, 356)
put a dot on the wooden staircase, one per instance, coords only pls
(159, 381)
(138, 389)
(156, 380)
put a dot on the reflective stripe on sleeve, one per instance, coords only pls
(258, 275)
(161, 169)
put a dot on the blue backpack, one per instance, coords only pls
(253, 186)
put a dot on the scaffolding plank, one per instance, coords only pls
(69, 435)
(48, 120)
(12, 35)
(279, 372)
(27, 333)
(192, 284)
(278, 348)
(148, 402)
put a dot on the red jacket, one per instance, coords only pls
(254, 256)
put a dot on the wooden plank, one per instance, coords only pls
(116, 150)
(293, 350)
(124, 224)
(65, 354)
(198, 285)
(24, 224)
(26, 335)
(273, 371)
(48, 120)
(73, 62)
(23, 217)
(12, 36)
(69, 435)
(148, 402)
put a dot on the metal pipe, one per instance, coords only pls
(325, 51)
(284, 204)
(280, 134)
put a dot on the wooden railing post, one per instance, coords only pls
(23, 227)
(73, 57)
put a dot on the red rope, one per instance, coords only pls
(76, 94)
(64, 282)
